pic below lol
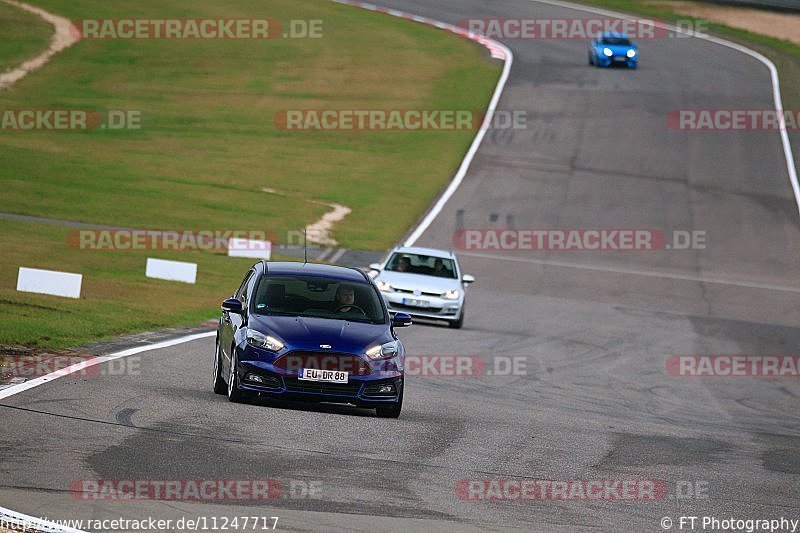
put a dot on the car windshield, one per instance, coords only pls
(319, 297)
(615, 40)
(427, 265)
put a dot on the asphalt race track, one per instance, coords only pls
(595, 328)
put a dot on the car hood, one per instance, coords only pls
(302, 333)
(406, 281)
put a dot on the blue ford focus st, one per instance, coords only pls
(310, 332)
(610, 49)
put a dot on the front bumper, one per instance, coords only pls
(259, 373)
(617, 60)
(424, 306)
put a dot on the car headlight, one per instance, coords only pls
(383, 286)
(383, 351)
(631, 53)
(607, 52)
(254, 338)
(451, 294)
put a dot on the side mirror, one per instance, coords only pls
(468, 279)
(401, 320)
(375, 266)
(232, 305)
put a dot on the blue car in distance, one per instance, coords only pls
(307, 331)
(612, 49)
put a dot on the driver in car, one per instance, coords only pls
(345, 299)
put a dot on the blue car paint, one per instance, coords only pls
(619, 52)
(308, 334)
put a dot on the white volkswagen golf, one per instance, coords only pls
(424, 283)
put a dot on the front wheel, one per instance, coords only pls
(393, 410)
(235, 394)
(456, 324)
(220, 386)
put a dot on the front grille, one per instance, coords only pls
(415, 308)
(423, 293)
(295, 385)
(343, 362)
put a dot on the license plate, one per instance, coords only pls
(619, 59)
(415, 303)
(328, 376)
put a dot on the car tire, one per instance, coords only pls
(456, 324)
(220, 387)
(591, 63)
(393, 410)
(235, 394)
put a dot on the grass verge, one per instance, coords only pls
(24, 36)
(208, 147)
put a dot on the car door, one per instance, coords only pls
(231, 322)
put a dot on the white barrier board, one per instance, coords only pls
(249, 248)
(49, 282)
(171, 270)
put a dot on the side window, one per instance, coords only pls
(241, 293)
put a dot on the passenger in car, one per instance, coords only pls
(440, 270)
(403, 264)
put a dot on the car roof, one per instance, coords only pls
(294, 268)
(434, 252)
(612, 34)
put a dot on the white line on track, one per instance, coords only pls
(495, 48)
(77, 367)
(637, 272)
(773, 73)
(440, 203)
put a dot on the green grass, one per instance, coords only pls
(116, 297)
(209, 142)
(25, 35)
(208, 146)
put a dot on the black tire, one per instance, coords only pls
(220, 387)
(456, 324)
(235, 394)
(590, 60)
(393, 410)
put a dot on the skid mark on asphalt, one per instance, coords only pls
(653, 450)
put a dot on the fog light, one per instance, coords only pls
(380, 389)
(255, 378)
